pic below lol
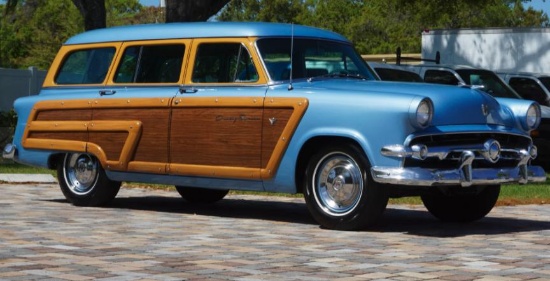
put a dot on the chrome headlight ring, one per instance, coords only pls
(532, 117)
(421, 112)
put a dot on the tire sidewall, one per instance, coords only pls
(370, 205)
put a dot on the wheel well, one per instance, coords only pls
(54, 160)
(307, 151)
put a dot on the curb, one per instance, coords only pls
(27, 178)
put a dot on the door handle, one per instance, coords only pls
(106, 92)
(191, 90)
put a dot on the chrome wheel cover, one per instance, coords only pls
(337, 184)
(81, 172)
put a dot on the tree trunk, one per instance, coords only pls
(93, 12)
(192, 10)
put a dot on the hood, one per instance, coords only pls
(452, 105)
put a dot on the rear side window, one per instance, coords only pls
(223, 63)
(150, 64)
(85, 66)
(440, 77)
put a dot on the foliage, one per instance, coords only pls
(8, 120)
(32, 32)
(380, 26)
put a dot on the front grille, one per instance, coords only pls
(456, 143)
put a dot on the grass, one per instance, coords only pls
(512, 194)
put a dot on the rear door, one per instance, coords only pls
(132, 113)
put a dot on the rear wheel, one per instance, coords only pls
(461, 204)
(339, 191)
(83, 181)
(201, 195)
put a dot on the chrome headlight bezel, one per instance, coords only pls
(531, 119)
(421, 113)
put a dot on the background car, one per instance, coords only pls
(391, 72)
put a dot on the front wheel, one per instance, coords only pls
(201, 195)
(83, 181)
(339, 191)
(461, 204)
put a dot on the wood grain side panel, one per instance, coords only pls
(110, 142)
(216, 136)
(64, 115)
(153, 141)
(275, 121)
(73, 136)
(280, 107)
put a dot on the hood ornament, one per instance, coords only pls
(485, 109)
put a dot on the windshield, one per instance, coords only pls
(546, 82)
(491, 83)
(311, 58)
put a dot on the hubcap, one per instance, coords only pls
(338, 184)
(80, 172)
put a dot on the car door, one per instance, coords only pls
(217, 117)
(131, 116)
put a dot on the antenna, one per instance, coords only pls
(290, 88)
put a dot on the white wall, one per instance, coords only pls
(508, 50)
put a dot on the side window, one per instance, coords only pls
(528, 89)
(223, 63)
(85, 66)
(440, 77)
(150, 64)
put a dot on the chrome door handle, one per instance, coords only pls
(106, 92)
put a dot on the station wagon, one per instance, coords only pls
(212, 107)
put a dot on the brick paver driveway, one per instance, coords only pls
(155, 235)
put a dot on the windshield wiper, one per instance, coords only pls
(341, 75)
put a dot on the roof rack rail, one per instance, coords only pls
(399, 57)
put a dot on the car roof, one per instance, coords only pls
(529, 74)
(201, 30)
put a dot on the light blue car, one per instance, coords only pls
(213, 107)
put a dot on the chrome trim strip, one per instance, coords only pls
(431, 177)
(9, 151)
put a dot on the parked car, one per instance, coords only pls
(392, 72)
(210, 107)
(530, 86)
(488, 81)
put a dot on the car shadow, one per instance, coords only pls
(395, 219)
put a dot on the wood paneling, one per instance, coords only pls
(64, 115)
(153, 142)
(216, 136)
(275, 121)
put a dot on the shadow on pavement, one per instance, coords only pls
(408, 221)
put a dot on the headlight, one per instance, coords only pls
(532, 119)
(422, 115)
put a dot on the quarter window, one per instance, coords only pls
(150, 64)
(85, 66)
(223, 63)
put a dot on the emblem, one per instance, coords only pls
(272, 120)
(485, 109)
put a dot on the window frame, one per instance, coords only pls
(247, 43)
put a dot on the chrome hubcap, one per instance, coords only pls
(80, 172)
(338, 184)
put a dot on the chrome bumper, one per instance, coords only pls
(426, 177)
(9, 151)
